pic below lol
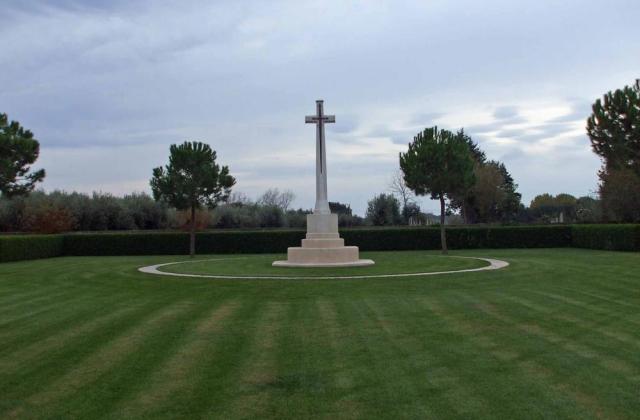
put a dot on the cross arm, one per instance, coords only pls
(314, 119)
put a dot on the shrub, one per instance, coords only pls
(8, 214)
(183, 219)
(459, 237)
(60, 211)
(271, 216)
(235, 216)
(108, 213)
(392, 238)
(348, 220)
(145, 211)
(609, 237)
(171, 243)
(30, 247)
(383, 210)
(80, 207)
(125, 243)
(620, 192)
(248, 242)
(47, 217)
(298, 218)
(512, 237)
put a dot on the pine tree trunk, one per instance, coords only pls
(192, 233)
(443, 234)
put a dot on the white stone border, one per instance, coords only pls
(153, 269)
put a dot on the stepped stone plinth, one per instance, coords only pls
(323, 246)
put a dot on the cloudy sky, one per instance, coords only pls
(107, 86)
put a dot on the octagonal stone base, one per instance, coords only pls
(323, 247)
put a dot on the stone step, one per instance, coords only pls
(323, 235)
(323, 255)
(323, 243)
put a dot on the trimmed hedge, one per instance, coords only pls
(610, 237)
(30, 247)
(275, 241)
(459, 237)
(151, 243)
(174, 243)
(248, 242)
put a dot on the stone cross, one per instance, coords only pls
(322, 204)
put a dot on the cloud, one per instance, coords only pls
(509, 133)
(345, 124)
(425, 119)
(483, 128)
(129, 78)
(505, 112)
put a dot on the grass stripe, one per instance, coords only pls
(564, 368)
(528, 380)
(344, 401)
(583, 324)
(584, 305)
(123, 382)
(628, 293)
(480, 366)
(590, 406)
(100, 362)
(9, 296)
(303, 379)
(50, 344)
(258, 373)
(31, 300)
(215, 378)
(38, 373)
(23, 313)
(67, 313)
(396, 357)
(175, 374)
(582, 341)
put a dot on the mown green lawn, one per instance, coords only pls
(556, 334)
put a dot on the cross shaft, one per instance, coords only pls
(320, 119)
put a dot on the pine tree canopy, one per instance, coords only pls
(192, 178)
(614, 128)
(438, 162)
(18, 150)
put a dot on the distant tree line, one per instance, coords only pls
(58, 211)
(193, 192)
(563, 208)
(272, 210)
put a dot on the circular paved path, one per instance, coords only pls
(153, 269)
